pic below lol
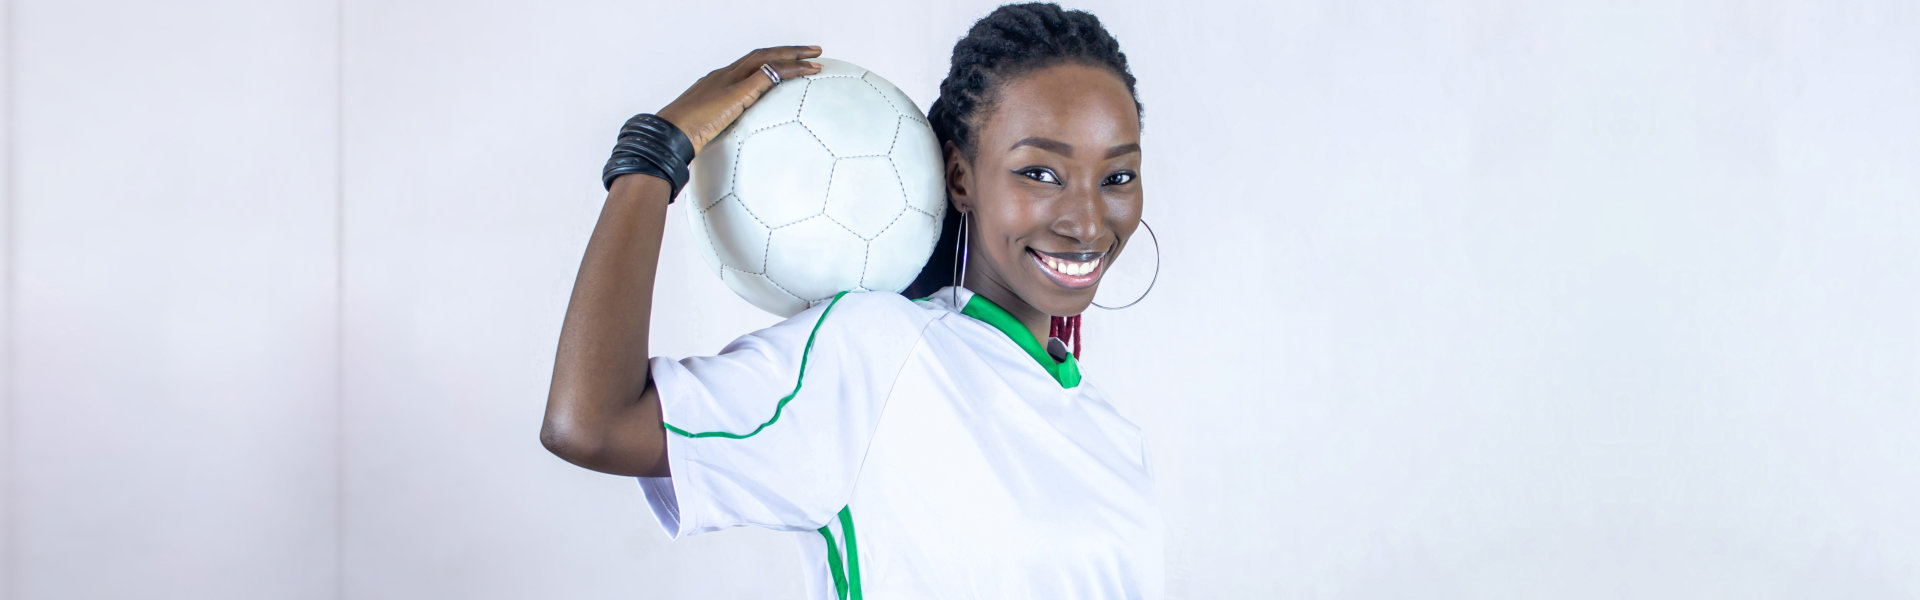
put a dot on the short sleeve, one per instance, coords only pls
(773, 430)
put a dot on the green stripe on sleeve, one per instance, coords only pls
(783, 401)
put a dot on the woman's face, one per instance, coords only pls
(1053, 190)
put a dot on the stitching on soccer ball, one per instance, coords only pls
(902, 182)
(740, 143)
(883, 95)
(844, 226)
(776, 285)
(896, 219)
(816, 137)
(750, 213)
(803, 99)
(708, 223)
(789, 292)
(743, 139)
(896, 138)
(866, 261)
(767, 246)
(811, 217)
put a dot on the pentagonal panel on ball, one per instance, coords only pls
(898, 254)
(815, 259)
(916, 157)
(849, 116)
(737, 238)
(782, 175)
(762, 293)
(864, 195)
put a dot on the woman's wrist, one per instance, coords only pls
(638, 187)
(650, 145)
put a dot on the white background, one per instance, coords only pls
(1464, 299)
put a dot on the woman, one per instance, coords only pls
(930, 448)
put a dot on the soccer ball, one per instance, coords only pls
(829, 182)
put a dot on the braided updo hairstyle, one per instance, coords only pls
(1011, 41)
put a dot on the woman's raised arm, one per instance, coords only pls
(602, 411)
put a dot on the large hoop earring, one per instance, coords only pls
(1156, 270)
(960, 259)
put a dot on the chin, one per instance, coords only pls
(1062, 303)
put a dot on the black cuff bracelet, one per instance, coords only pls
(650, 145)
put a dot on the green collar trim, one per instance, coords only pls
(979, 307)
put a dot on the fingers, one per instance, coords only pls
(758, 83)
(789, 69)
(753, 59)
(792, 53)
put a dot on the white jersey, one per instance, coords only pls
(923, 449)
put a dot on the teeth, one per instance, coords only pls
(1070, 268)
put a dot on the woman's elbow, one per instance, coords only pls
(568, 440)
(625, 442)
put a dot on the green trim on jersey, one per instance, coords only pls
(846, 579)
(783, 401)
(846, 576)
(833, 562)
(853, 554)
(979, 307)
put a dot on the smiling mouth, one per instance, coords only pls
(1073, 270)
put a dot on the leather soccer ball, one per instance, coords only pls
(829, 182)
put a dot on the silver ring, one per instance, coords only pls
(771, 74)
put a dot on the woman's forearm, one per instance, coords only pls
(596, 414)
(601, 414)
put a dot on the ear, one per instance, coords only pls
(959, 178)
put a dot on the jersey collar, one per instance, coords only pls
(1066, 372)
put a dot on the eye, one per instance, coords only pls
(1040, 174)
(1121, 178)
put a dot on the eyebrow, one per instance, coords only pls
(1059, 147)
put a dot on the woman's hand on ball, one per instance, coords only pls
(714, 101)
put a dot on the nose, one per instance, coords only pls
(1077, 215)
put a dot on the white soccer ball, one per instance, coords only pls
(830, 182)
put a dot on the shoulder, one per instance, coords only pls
(866, 320)
(848, 322)
(875, 310)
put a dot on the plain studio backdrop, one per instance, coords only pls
(1465, 299)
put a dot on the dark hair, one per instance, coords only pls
(1011, 41)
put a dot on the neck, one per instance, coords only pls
(1033, 319)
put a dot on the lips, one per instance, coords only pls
(1072, 270)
